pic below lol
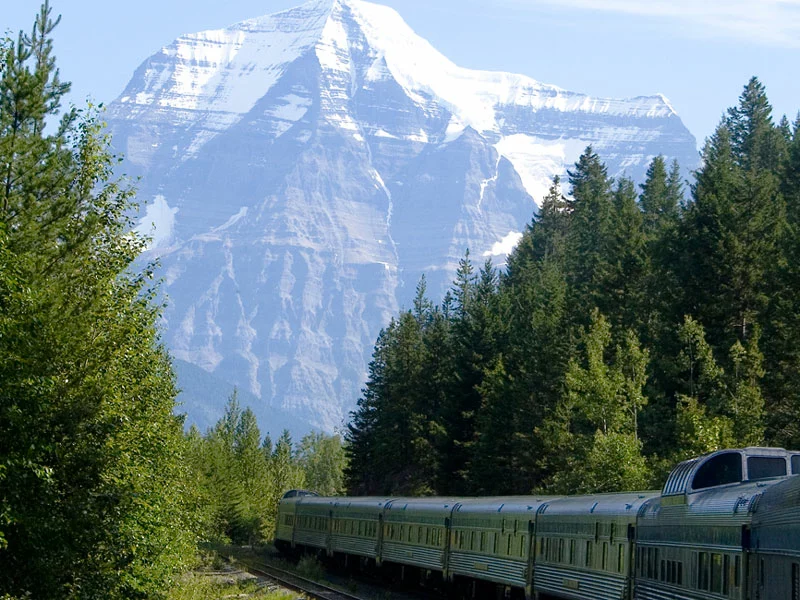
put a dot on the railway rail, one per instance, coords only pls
(298, 583)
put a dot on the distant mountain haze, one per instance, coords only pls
(302, 170)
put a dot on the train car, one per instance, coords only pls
(415, 533)
(356, 526)
(775, 538)
(694, 540)
(585, 545)
(312, 523)
(287, 510)
(491, 538)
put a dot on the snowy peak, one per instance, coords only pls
(228, 70)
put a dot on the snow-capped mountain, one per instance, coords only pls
(303, 169)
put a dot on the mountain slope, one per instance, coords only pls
(303, 170)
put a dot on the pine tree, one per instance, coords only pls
(363, 473)
(475, 333)
(782, 327)
(591, 233)
(730, 242)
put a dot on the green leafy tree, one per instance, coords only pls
(94, 490)
(597, 418)
(322, 459)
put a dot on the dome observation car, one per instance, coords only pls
(727, 467)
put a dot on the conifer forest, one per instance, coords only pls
(633, 326)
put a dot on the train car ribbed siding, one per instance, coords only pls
(582, 585)
(489, 568)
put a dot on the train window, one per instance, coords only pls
(561, 550)
(719, 470)
(726, 574)
(621, 558)
(716, 573)
(796, 464)
(508, 544)
(605, 556)
(588, 554)
(795, 581)
(662, 575)
(703, 569)
(761, 572)
(679, 574)
(572, 558)
(483, 541)
(764, 467)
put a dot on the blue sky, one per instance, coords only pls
(699, 53)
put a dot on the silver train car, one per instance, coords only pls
(725, 526)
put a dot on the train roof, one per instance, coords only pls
(429, 504)
(626, 504)
(511, 505)
(783, 496)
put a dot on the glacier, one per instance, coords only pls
(303, 169)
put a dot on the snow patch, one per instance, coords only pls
(232, 221)
(485, 183)
(505, 246)
(293, 108)
(158, 223)
(538, 160)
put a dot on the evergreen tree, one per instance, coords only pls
(476, 329)
(363, 474)
(730, 243)
(782, 327)
(591, 234)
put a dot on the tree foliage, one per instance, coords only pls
(93, 501)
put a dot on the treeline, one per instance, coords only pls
(631, 328)
(239, 477)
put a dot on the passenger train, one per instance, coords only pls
(725, 526)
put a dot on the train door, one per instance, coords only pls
(531, 559)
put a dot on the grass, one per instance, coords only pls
(310, 568)
(199, 586)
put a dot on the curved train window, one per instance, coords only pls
(796, 464)
(719, 470)
(764, 467)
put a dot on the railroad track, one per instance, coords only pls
(295, 582)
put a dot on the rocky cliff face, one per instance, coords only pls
(302, 170)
